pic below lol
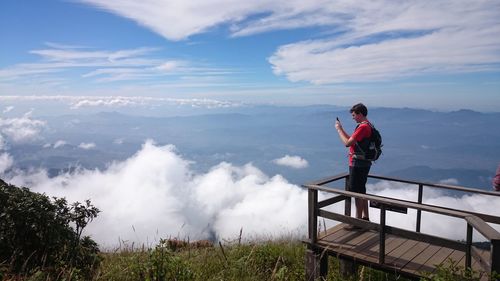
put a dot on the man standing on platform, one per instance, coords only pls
(358, 167)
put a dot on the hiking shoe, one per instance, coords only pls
(352, 227)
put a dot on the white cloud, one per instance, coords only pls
(154, 194)
(93, 57)
(86, 146)
(2, 142)
(76, 102)
(450, 181)
(177, 20)
(59, 143)
(102, 66)
(104, 101)
(8, 109)
(295, 162)
(117, 101)
(6, 162)
(64, 46)
(21, 129)
(374, 40)
(399, 40)
(170, 65)
(58, 60)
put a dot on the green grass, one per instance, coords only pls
(263, 260)
(260, 260)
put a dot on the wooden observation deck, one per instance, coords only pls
(409, 253)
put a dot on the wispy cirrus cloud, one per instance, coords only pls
(399, 39)
(359, 41)
(54, 60)
(78, 55)
(68, 64)
(178, 20)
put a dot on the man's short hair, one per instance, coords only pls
(359, 108)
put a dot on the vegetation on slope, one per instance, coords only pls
(43, 236)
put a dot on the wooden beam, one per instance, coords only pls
(485, 229)
(468, 247)
(485, 217)
(349, 220)
(313, 215)
(397, 209)
(442, 186)
(495, 256)
(381, 252)
(347, 202)
(419, 212)
(330, 201)
(328, 180)
(395, 202)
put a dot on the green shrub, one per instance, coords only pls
(37, 237)
(164, 265)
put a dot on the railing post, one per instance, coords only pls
(316, 262)
(419, 212)
(381, 255)
(495, 256)
(313, 215)
(468, 247)
(347, 207)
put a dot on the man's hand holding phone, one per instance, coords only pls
(338, 126)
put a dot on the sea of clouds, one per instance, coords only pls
(156, 194)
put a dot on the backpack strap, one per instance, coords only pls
(358, 145)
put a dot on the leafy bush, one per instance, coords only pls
(164, 265)
(43, 236)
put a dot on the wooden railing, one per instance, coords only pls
(477, 221)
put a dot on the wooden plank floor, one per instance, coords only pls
(403, 255)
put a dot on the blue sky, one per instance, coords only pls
(425, 54)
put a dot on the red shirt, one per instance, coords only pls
(362, 131)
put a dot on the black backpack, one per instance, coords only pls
(371, 148)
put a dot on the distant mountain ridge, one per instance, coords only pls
(418, 144)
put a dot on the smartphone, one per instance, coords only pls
(338, 119)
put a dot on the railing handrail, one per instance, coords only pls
(439, 185)
(420, 185)
(489, 232)
(329, 179)
(414, 182)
